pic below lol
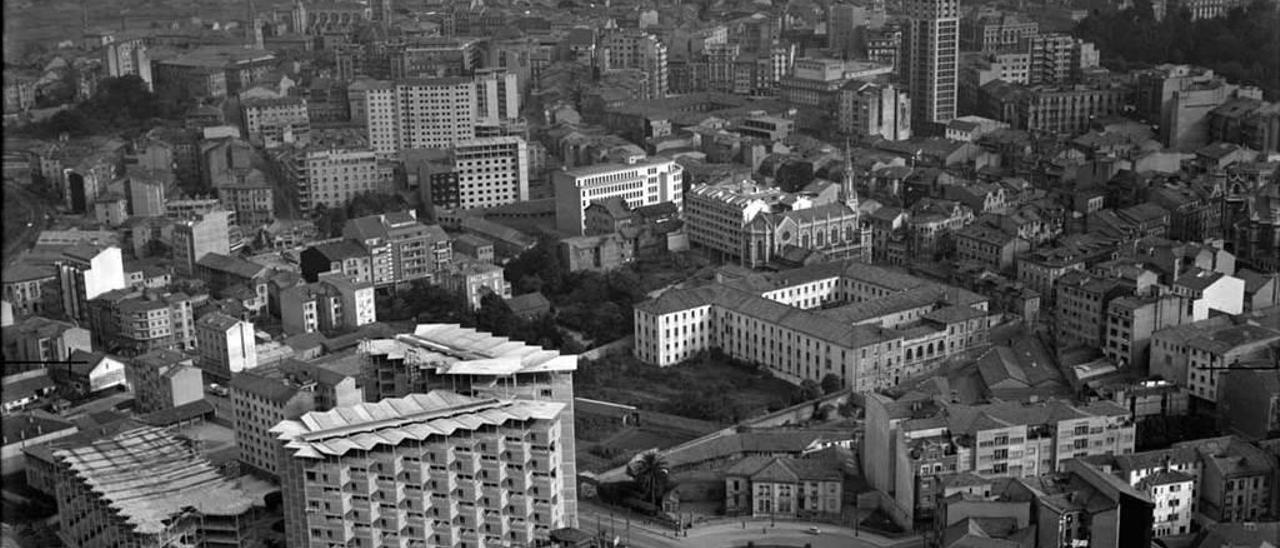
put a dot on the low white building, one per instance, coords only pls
(1173, 493)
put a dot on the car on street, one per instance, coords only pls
(813, 531)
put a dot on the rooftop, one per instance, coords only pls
(457, 350)
(150, 477)
(391, 421)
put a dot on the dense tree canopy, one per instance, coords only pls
(120, 104)
(1244, 46)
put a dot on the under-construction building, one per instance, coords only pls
(475, 363)
(146, 487)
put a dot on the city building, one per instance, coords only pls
(1173, 494)
(336, 302)
(463, 470)
(130, 322)
(870, 110)
(929, 63)
(164, 379)
(39, 339)
(195, 238)
(88, 373)
(785, 487)
(251, 198)
(497, 97)
(474, 173)
(1195, 354)
(31, 289)
(85, 272)
(1055, 109)
(332, 168)
(444, 356)
(473, 280)
(632, 49)
(641, 183)
(414, 113)
(929, 439)
(346, 257)
(212, 72)
(599, 253)
(263, 397)
(401, 249)
(226, 344)
(147, 487)
(870, 326)
(273, 122)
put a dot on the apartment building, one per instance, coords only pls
(194, 238)
(992, 32)
(273, 122)
(414, 113)
(335, 302)
(227, 345)
(1173, 494)
(130, 322)
(332, 169)
(716, 215)
(144, 486)
(127, 57)
(263, 397)
(868, 325)
(641, 183)
(868, 110)
(473, 280)
(1055, 109)
(346, 257)
(1005, 439)
(1194, 354)
(401, 249)
(31, 289)
(84, 272)
(497, 97)
(444, 356)
(637, 49)
(475, 173)
(439, 467)
(251, 198)
(164, 379)
(40, 339)
(930, 59)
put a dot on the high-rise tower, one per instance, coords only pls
(930, 61)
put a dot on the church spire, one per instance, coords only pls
(848, 190)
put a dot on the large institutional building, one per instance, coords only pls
(434, 469)
(645, 182)
(871, 326)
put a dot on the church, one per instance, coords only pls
(808, 233)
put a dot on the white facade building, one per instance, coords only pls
(226, 344)
(331, 173)
(644, 182)
(716, 216)
(1173, 494)
(414, 113)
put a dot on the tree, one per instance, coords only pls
(495, 316)
(808, 390)
(651, 475)
(831, 383)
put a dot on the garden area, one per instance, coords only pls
(709, 387)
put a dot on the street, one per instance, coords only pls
(594, 518)
(33, 212)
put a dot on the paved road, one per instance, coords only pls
(33, 210)
(730, 534)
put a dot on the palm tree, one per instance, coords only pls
(650, 472)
